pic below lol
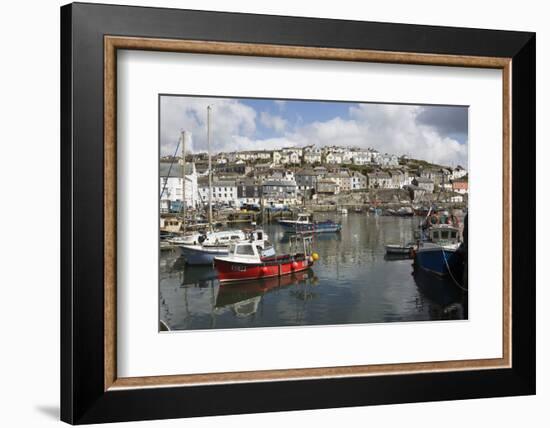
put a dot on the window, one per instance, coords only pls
(435, 235)
(453, 234)
(246, 250)
(444, 234)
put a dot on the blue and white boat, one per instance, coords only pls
(304, 223)
(217, 244)
(436, 253)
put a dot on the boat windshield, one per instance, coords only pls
(245, 250)
(444, 234)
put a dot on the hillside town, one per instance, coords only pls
(307, 176)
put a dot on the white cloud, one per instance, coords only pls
(281, 104)
(277, 123)
(230, 119)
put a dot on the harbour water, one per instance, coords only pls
(352, 282)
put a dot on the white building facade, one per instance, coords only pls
(171, 185)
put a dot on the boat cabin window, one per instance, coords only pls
(444, 234)
(246, 250)
(235, 237)
(453, 234)
(259, 236)
(435, 235)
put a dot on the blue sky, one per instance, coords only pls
(434, 133)
(296, 112)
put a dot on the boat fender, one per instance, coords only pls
(294, 265)
(315, 256)
(264, 270)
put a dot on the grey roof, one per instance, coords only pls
(175, 170)
(378, 174)
(307, 172)
(279, 183)
(423, 180)
(223, 183)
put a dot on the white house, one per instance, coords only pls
(334, 158)
(223, 192)
(362, 157)
(171, 184)
(388, 160)
(254, 155)
(313, 154)
(379, 180)
(286, 157)
(311, 157)
(400, 178)
(458, 172)
(358, 181)
(294, 158)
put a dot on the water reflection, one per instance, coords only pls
(353, 282)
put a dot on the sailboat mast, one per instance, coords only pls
(183, 176)
(208, 111)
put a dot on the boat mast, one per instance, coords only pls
(183, 176)
(208, 111)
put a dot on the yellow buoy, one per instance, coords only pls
(315, 256)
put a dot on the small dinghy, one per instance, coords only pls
(399, 249)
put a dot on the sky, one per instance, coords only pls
(438, 134)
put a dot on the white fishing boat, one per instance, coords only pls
(301, 219)
(217, 244)
(189, 238)
(343, 211)
(304, 223)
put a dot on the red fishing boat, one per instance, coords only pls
(245, 261)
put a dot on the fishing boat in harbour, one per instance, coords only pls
(245, 261)
(437, 252)
(304, 223)
(218, 243)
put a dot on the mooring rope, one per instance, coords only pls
(450, 273)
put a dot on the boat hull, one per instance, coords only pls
(197, 255)
(437, 260)
(398, 250)
(230, 271)
(320, 227)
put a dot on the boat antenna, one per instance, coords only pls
(208, 133)
(170, 168)
(184, 135)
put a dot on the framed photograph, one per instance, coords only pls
(267, 213)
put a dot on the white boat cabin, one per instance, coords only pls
(303, 218)
(246, 252)
(444, 234)
(223, 238)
